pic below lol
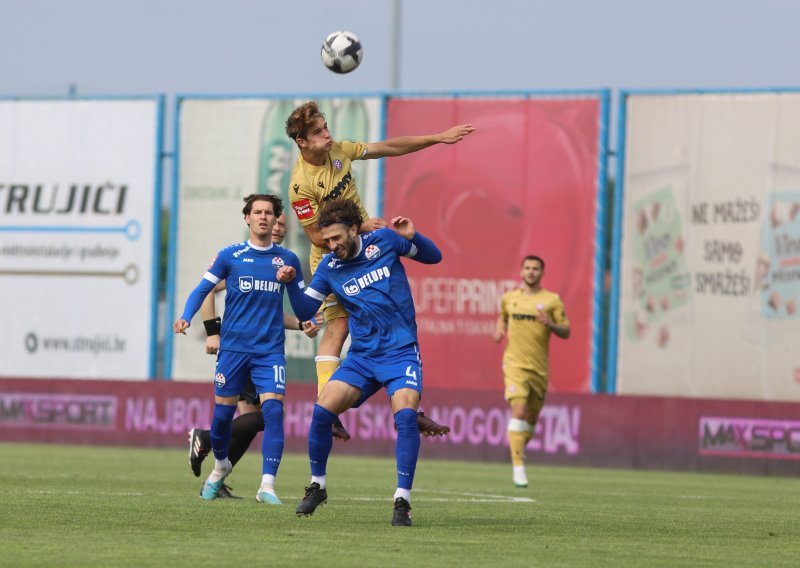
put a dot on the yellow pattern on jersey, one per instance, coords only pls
(528, 340)
(310, 186)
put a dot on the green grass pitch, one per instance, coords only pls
(90, 506)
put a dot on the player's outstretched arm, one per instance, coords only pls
(407, 144)
(208, 309)
(193, 303)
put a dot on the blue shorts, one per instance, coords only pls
(394, 370)
(234, 369)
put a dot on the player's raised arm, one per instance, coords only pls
(402, 145)
(423, 249)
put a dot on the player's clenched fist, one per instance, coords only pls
(285, 273)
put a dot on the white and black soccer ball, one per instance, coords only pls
(342, 52)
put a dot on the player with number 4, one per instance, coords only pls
(366, 276)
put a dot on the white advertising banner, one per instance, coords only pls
(710, 256)
(230, 148)
(78, 188)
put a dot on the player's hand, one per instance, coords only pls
(456, 133)
(499, 335)
(180, 326)
(212, 344)
(372, 225)
(311, 329)
(542, 317)
(286, 273)
(404, 227)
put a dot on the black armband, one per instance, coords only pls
(300, 325)
(213, 326)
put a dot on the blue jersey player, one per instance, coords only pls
(252, 340)
(365, 274)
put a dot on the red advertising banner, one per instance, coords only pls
(524, 183)
(574, 429)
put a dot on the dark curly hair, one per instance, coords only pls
(345, 212)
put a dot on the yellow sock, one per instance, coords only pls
(516, 441)
(326, 365)
(519, 435)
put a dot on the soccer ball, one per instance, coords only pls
(342, 52)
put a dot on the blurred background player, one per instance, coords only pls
(365, 274)
(528, 315)
(250, 421)
(322, 173)
(252, 340)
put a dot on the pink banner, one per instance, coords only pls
(574, 429)
(524, 183)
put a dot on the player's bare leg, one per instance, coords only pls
(328, 360)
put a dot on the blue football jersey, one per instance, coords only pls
(373, 288)
(253, 320)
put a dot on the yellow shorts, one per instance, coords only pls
(525, 384)
(332, 309)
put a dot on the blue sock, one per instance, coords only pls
(320, 439)
(272, 444)
(407, 449)
(221, 429)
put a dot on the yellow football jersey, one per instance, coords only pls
(528, 340)
(311, 186)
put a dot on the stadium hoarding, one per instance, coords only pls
(80, 193)
(530, 180)
(707, 259)
(575, 429)
(229, 147)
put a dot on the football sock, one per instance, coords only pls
(268, 483)
(321, 479)
(221, 430)
(518, 436)
(221, 469)
(320, 439)
(404, 493)
(244, 429)
(326, 365)
(272, 445)
(407, 448)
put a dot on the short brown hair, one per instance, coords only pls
(345, 212)
(301, 118)
(277, 203)
(534, 257)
